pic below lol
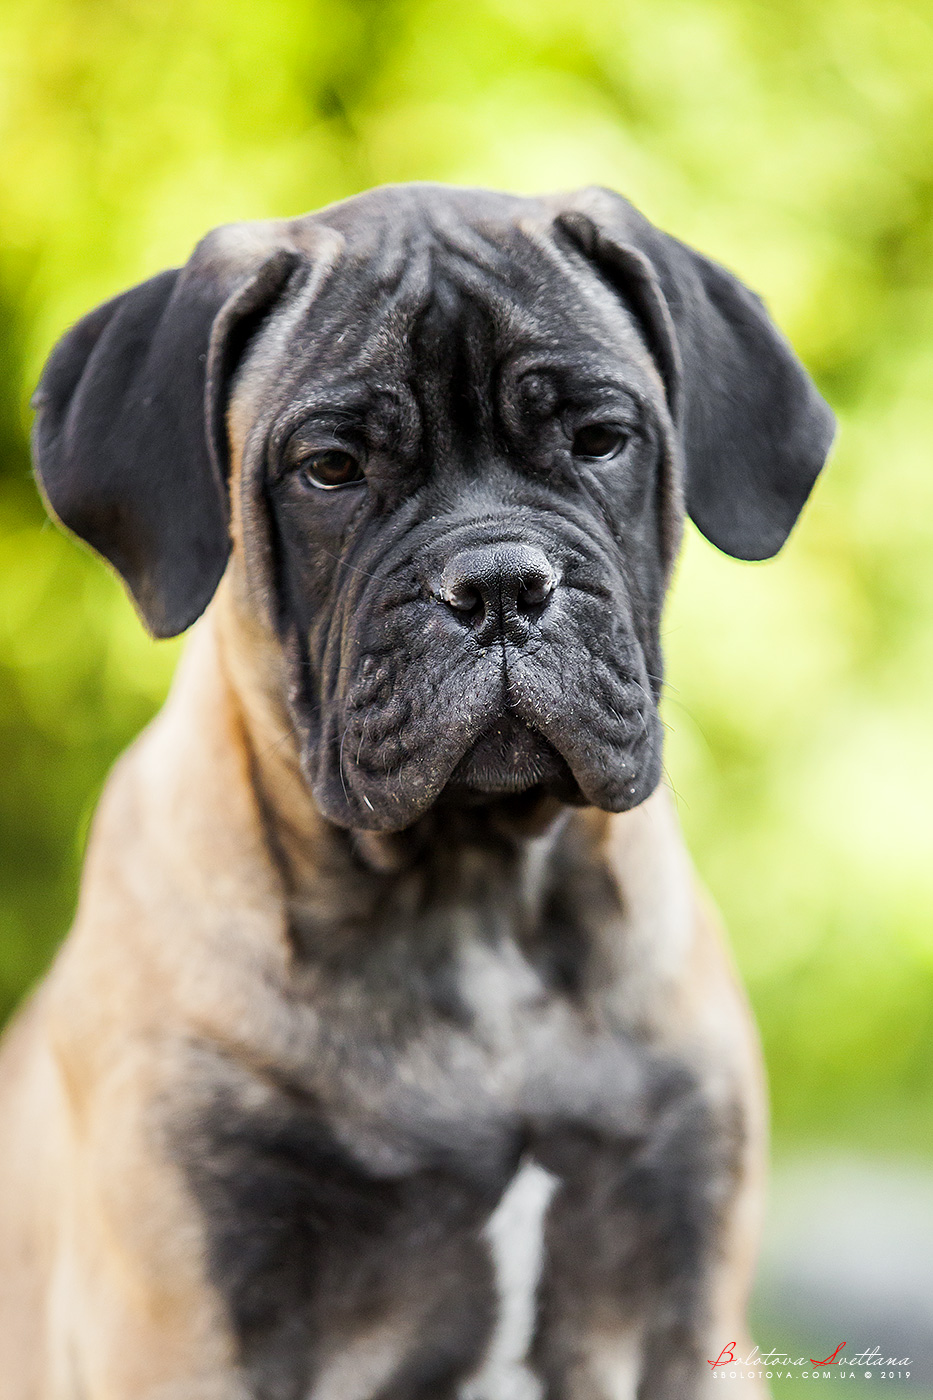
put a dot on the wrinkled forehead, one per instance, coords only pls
(429, 301)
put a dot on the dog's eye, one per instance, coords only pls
(330, 470)
(599, 441)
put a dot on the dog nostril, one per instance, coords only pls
(462, 597)
(534, 589)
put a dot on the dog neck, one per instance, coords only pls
(215, 786)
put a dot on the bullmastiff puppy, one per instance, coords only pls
(393, 1054)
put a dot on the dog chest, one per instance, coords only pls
(462, 1178)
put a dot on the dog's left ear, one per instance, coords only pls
(754, 430)
(130, 441)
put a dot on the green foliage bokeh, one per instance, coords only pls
(793, 142)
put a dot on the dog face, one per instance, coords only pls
(465, 461)
(468, 422)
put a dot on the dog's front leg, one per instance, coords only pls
(642, 1252)
(644, 1269)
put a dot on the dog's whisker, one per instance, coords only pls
(670, 783)
(363, 729)
(343, 780)
(354, 568)
(274, 745)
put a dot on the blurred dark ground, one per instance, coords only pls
(792, 142)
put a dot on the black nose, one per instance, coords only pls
(498, 589)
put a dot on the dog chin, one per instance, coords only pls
(511, 767)
(512, 757)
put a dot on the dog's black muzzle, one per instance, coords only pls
(494, 657)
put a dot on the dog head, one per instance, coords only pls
(467, 423)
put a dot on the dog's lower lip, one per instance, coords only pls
(509, 758)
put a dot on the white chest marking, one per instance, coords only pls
(515, 1233)
(361, 1368)
(616, 1364)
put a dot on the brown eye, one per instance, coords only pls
(330, 470)
(599, 441)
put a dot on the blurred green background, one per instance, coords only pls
(792, 141)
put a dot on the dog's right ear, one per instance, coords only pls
(130, 444)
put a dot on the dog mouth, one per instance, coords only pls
(510, 758)
(475, 738)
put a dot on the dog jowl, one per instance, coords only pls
(476, 420)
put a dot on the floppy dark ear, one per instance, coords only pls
(129, 443)
(754, 430)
